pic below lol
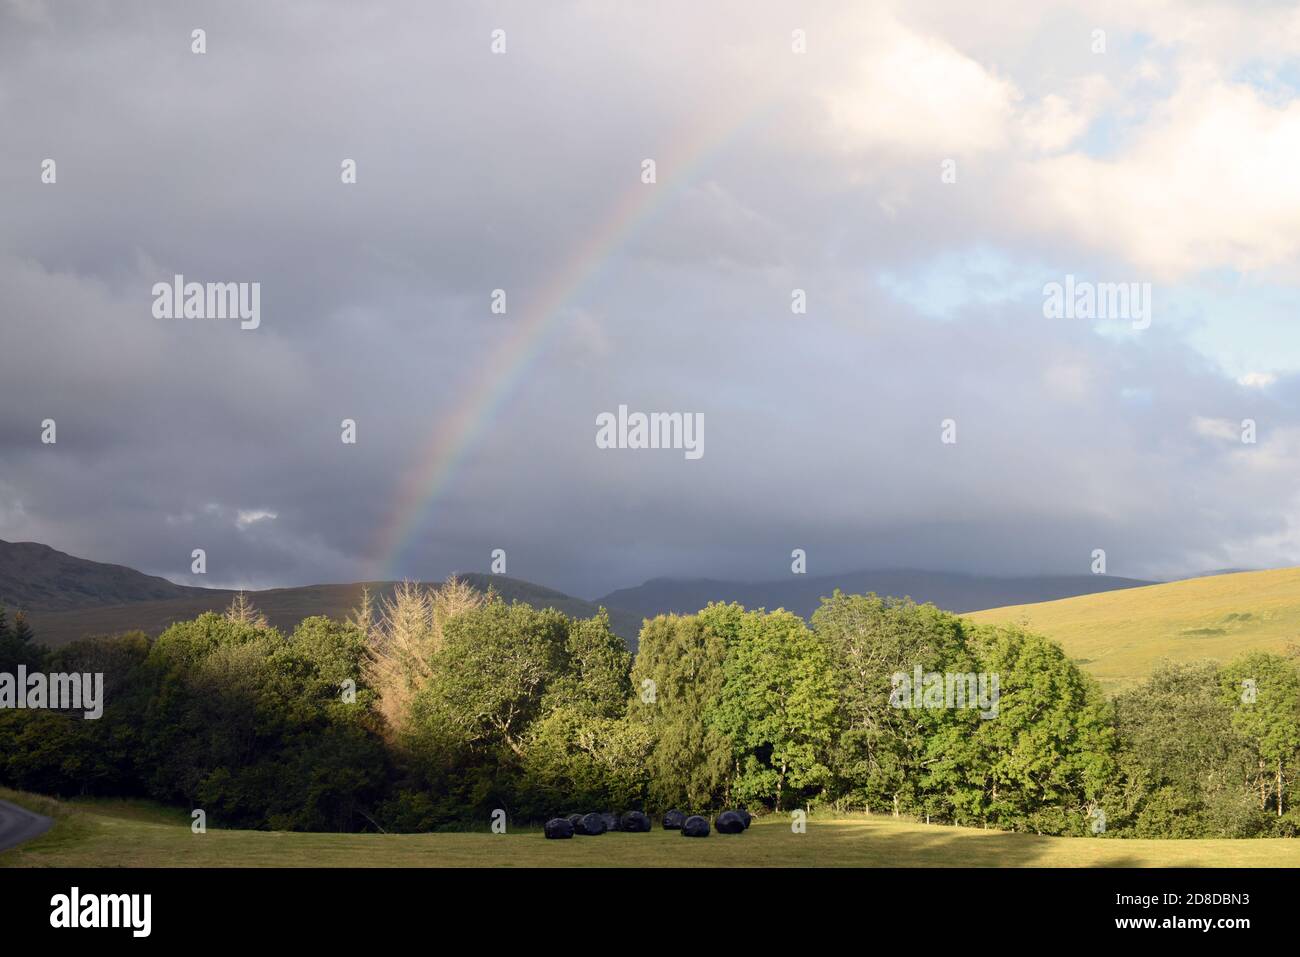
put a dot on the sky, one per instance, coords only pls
(922, 172)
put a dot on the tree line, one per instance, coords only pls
(435, 707)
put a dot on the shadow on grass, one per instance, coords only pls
(888, 842)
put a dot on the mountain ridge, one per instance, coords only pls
(37, 577)
(953, 591)
(68, 597)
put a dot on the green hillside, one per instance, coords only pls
(133, 834)
(1119, 635)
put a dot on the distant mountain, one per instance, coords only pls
(285, 607)
(625, 624)
(69, 597)
(35, 577)
(801, 595)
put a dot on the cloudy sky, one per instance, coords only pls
(1163, 150)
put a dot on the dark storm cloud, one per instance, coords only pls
(478, 172)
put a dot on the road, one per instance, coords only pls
(19, 824)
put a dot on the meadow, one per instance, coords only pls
(1119, 636)
(115, 833)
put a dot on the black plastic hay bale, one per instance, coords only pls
(589, 825)
(611, 820)
(573, 819)
(695, 826)
(749, 818)
(558, 828)
(673, 820)
(729, 822)
(636, 822)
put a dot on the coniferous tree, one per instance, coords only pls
(363, 616)
(18, 645)
(408, 634)
(244, 612)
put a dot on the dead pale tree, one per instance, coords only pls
(363, 616)
(404, 640)
(243, 611)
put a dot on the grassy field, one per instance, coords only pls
(1119, 635)
(136, 834)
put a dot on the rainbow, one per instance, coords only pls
(456, 434)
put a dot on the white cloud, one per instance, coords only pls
(247, 517)
(1198, 169)
(919, 94)
(777, 171)
(1257, 380)
(1207, 182)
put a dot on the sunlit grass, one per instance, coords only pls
(1118, 636)
(136, 834)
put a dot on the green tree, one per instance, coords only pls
(676, 684)
(1048, 755)
(584, 751)
(251, 726)
(1267, 714)
(18, 644)
(881, 750)
(579, 760)
(492, 672)
(777, 706)
(325, 654)
(596, 669)
(1183, 784)
(22, 629)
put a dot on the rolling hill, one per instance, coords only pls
(285, 607)
(1118, 636)
(36, 577)
(801, 594)
(1117, 628)
(67, 598)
